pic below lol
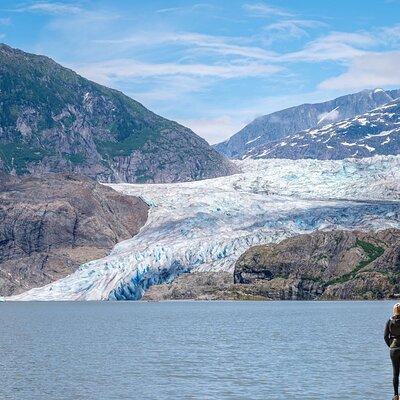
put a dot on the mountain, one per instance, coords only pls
(275, 126)
(52, 224)
(53, 120)
(329, 265)
(369, 134)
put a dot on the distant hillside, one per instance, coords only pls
(53, 120)
(273, 127)
(369, 134)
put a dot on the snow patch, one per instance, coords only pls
(253, 140)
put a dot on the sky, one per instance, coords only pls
(214, 66)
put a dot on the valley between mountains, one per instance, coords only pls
(205, 226)
(102, 199)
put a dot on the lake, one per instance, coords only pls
(194, 350)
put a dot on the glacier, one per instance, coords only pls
(206, 225)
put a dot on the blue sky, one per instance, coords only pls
(216, 65)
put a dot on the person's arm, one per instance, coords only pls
(387, 334)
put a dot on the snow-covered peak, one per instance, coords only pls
(374, 132)
(277, 125)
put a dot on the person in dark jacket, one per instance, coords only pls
(392, 339)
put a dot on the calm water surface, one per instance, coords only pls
(194, 350)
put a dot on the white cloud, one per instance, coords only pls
(118, 69)
(368, 71)
(328, 116)
(335, 46)
(265, 10)
(169, 10)
(352, 38)
(214, 130)
(170, 88)
(195, 7)
(390, 35)
(222, 45)
(292, 28)
(51, 8)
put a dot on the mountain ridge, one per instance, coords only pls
(54, 120)
(366, 135)
(277, 125)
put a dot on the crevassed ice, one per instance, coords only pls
(206, 225)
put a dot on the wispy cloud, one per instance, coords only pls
(336, 46)
(228, 64)
(265, 10)
(292, 28)
(169, 10)
(50, 8)
(368, 71)
(128, 68)
(222, 45)
(390, 34)
(5, 21)
(191, 8)
(214, 130)
(170, 88)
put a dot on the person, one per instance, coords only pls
(392, 339)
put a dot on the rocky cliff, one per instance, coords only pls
(327, 265)
(49, 226)
(53, 120)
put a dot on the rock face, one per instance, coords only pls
(375, 132)
(327, 265)
(53, 120)
(49, 226)
(194, 286)
(202, 286)
(256, 137)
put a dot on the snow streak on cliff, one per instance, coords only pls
(206, 225)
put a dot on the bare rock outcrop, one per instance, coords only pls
(49, 226)
(327, 265)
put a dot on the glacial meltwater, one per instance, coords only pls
(194, 350)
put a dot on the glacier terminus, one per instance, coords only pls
(206, 225)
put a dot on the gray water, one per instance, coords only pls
(194, 350)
